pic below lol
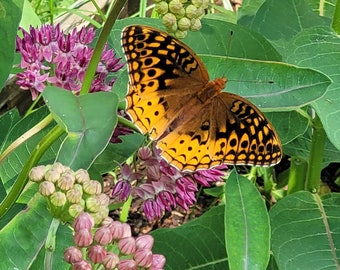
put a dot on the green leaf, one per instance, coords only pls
(269, 85)
(89, 121)
(282, 20)
(247, 231)
(25, 235)
(306, 232)
(117, 153)
(13, 164)
(10, 15)
(198, 244)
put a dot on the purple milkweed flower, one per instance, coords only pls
(161, 186)
(51, 56)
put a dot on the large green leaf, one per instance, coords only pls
(198, 244)
(10, 15)
(247, 225)
(306, 231)
(89, 121)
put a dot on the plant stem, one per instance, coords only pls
(104, 34)
(297, 174)
(50, 243)
(22, 179)
(316, 156)
(336, 18)
(125, 210)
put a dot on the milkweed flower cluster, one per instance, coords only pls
(179, 16)
(51, 56)
(110, 246)
(161, 186)
(70, 193)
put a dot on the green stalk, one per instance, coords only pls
(316, 156)
(336, 18)
(125, 210)
(103, 37)
(142, 8)
(22, 179)
(50, 243)
(297, 174)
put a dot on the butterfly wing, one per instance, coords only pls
(164, 75)
(229, 130)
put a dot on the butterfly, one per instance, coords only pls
(195, 124)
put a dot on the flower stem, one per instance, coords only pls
(316, 156)
(22, 179)
(50, 243)
(125, 210)
(297, 174)
(103, 37)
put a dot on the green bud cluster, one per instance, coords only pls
(179, 16)
(70, 193)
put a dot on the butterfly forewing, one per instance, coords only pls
(170, 96)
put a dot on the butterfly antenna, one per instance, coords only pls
(228, 47)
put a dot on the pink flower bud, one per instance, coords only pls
(82, 265)
(143, 257)
(72, 255)
(60, 168)
(107, 221)
(82, 176)
(52, 175)
(127, 245)
(127, 264)
(116, 229)
(37, 173)
(83, 221)
(158, 261)
(144, 242)
(126, 230)
(110, 261)
(83, 238)
(103, 235)
(96, 253)
(74, 195)
(46, 188)
(66, 181)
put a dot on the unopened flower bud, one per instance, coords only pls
(169, 20)
(83, 221)
(74, 195)
(180, 34)
(127, 264)
(72, 255)
(197, 3)
(127, 245)
(158, 261)
(103, 235)
(117, 230)
(200, 13)
(66, 181)
(183, 24)
(175, 6)
(92, 187)
(180, 14)
(195, 24)
(37, 173)
(143, 257)
(126, 230)
(83, 238)
(96, 253)
(58, 199)
(82, 265)
(52, 175)
(191, 11)
(82, 176)
(60, 168)
(101, 213)
(107, 221)
(162, 7)
(46, 188)
(144, 242)
(205, 4)
(75, 209)
(111, 260)
(144, 153)
(92, 203)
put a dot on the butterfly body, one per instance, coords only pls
(196, 125)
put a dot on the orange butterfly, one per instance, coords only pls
(196, 125)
